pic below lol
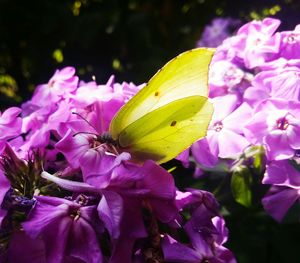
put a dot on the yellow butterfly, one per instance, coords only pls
(170, 113)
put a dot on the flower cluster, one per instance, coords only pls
(255, 88)
(68, 195)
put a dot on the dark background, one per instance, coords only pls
(132, 39)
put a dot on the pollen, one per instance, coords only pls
(75, 215)
(282, 124)
(218, 126)
(173, 123)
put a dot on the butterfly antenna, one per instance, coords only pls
(80, 116)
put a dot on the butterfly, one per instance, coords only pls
(170, 113)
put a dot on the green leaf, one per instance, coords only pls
(241, 182)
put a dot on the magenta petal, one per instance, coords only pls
(256, 128)
(158, 180)
(199, 229)
(99, 168)
(253, 95)
(73, 147)
(231, 144)
(4, 187)
(23, 249)
(278, 147)
(220, 112)
(10, 123)
(110, 210)
(202, 153)
(164, 210)
(281, 173)
(123, 250)
(63, 225)
(294, 136)
(66, 73)
(83, 242)
(213, 142)
(176, 252)
(278, 201)
(219, 224)
(184, 157)
(9, 115)
(223, 255)
(46, 211)
(237, 119)
(132, 225)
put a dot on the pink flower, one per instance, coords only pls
(276, 124)
(278, 83)
(258, 42)
(225, 133)
(62, 83)
(10, 125)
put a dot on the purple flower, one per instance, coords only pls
(62, 83)
(184, 157)
(285, 190)
(24, 249)
(281, 173)
(67, 229)
(10, 125)
(106, 99)
(276, 124)
(131, 190)
(225, 133)
(148, 182)
(257, 42)
(279, 83)
(202, 153)
(4, 187)
(94, 158)
(217, 31)
(290, 43)
(226, 77)
(205, 229)
(41, 122)
(279, 199)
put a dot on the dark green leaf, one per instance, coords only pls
(241, 182)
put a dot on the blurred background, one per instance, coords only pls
(128, 38)
(132, 39)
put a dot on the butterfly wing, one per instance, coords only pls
(185, 75)
(162, 134)
(170, 112)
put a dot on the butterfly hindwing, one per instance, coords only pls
(163, 133)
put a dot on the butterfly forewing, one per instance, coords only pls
(184, 76)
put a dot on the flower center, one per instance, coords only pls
(75, 214)
(94, 143)
(218, 126)
(291, 39)
(282, 123)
